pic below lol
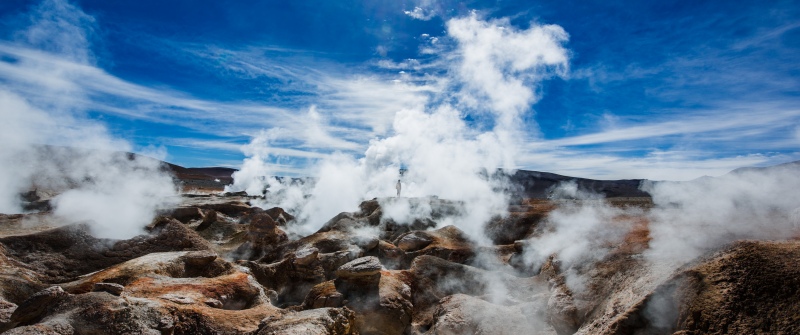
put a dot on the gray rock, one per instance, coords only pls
(321, 321)
(413, 241)
(186, 214)
(360, 267)
(334, 260)
(213, 303)
(6, 309)
(306, 256)
(55, 327)
(208, 219)
(273, 296)
(561, 311)
(178, 299)
(200, 258)
(37, 304)
(365, 242)
(464, 314)
(115, 289)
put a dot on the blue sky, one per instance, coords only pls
(660, 90)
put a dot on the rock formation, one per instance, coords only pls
(217, 265)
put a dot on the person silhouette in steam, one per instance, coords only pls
(398, 187)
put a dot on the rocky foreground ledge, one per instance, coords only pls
(220, 266)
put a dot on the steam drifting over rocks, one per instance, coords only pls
(586, 266)
(431, 231)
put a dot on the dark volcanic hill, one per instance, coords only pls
(203, 177)
(529, 184)
(537, 185)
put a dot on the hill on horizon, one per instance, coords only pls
(530, 184)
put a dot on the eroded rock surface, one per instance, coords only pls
(217, 265)
(749, 288)
(63, 254)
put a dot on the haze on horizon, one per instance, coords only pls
(659, 91)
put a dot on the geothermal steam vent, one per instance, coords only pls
(399, 167)
(598, 258)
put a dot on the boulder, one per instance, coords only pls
(307, 256)
(561, 311)
(391, 256)
(6, 310)
(279, 215)
(388, 309)
(65, 253)
(751, 287)
(115, 289)
(322, 321)
(209, 218)
(414, 241)
(290, 280)
(435, 278)
(323, 295)
(185, 214)
(448, 243)
(37, 305)
(360, 268)
(178, 264)
(463, 314)
(522, 222)
(263, 237)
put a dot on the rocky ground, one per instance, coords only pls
(216, 265)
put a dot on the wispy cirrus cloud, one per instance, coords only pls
(339, 112)
(734, 121)
(356, 102)
(654, 164)
(676, 146)
(717, 101)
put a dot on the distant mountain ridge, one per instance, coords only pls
(202, 177)
(789, 165)
(524, 183)
(538, 185)
(527, 184)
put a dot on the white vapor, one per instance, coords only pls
(580, 231)
(688, 220)
(442, 154)
(694, 217)
(498, 67)
(50, 146)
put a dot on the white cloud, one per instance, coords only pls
(497, 65)
(202, 143)
(60, 28)
(369, 102)
(420, 14)
(761, 117)
(317, 135)
(351, 110)
(656, 165)
(709, 142)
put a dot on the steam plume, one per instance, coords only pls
(441, 153)
(51, 146)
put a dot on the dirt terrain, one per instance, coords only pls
(217, 265)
